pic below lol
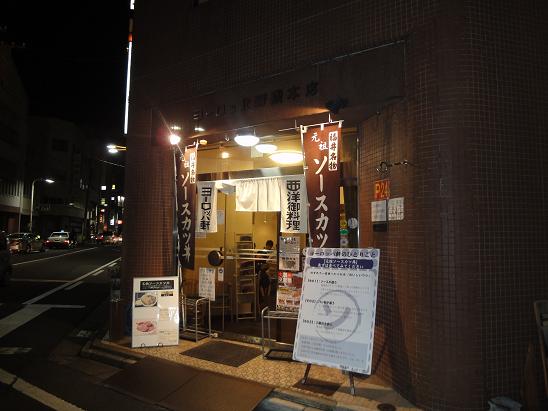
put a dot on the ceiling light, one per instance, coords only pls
(225, 154)
(174, 139)
(246, 140)
(113, 150)
(49, 181)
(266, 148)
(287, 157)
(199, 129)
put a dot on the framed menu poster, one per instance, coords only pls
(155, 308)
(336, 320)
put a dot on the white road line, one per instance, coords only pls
(6, 377)
(98, 273)
(55, 256)
(18, 318)
(42, 296)
(26, 314)
(38, 280)
(36, 393)
(59, 305)
(70, 287)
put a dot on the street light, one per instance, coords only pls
(174, 139)
(114, 148)
(47, 180)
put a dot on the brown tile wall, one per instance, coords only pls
(149, 204)
(507, 147)
(459, 274)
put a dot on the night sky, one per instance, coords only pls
(73, 64)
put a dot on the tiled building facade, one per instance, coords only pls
(460, 273)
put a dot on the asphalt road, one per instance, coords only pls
(55, 301)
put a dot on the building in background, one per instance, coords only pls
(87, 194)
(449, 101)
(14, 195)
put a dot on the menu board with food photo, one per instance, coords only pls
(155, 319)
(288, 295)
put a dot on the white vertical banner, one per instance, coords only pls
(293, 201)
(206, 210)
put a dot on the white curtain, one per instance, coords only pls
(258, 194)
(246, 195)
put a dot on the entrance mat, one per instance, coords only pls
(222, 352)
(279, 354)
(318, 386)
(215, 392)
(151, 379)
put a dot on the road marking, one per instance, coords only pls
(37, 280)
(6, 377)
(70, 287)
(55, 256)
(59, 305)
(18, 318)
(14, 350)
(36, 393)
(26, 314)
(97, 273)
(47, 293)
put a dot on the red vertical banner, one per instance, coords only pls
(321, 150)
(186, 200)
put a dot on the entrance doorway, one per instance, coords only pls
(250, 266)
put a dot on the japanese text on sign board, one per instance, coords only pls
(207, 207)
(321, 146)
(293, 215)
(186, 189)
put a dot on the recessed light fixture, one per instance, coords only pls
(225, 154)
(266, 148)
(287, 157)
(246, 140)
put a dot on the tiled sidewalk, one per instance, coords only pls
(284, 374)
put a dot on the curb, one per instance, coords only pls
(115, 356)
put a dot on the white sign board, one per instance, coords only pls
(206, 283)
(395, 209)
(336, 320)
(378, 211)
(155, 308)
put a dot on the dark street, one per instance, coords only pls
(55, 303)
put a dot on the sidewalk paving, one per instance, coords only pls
(328, 389)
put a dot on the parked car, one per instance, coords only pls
(104, 238)
(59, 239)
(25, 243)
(5, 260)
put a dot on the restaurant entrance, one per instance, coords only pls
(248, 232)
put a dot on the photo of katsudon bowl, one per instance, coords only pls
(146, 299)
